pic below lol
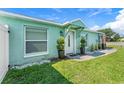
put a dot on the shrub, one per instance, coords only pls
(99, 46)
(96, 47)
(82, 42)
(82, 45)
(60, 43)
(92, 47)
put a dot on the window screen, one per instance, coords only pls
(36, 40)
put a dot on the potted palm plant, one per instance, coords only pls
(82, 45)
(60, 47)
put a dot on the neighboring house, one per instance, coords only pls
(33, 40)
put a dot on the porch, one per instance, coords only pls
(92, 55)
(71, 38)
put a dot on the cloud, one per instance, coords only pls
(117, 25)
(95, 11)
(101, 10)
(94, 28)
(121, 15)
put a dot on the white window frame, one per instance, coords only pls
(37, 53)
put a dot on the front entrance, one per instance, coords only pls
(69, 43)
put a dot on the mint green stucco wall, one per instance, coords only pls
(92, 38)
(16, 39)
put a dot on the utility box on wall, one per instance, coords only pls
(4, 51)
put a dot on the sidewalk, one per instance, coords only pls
(92, 55)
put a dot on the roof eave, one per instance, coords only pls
(93, 31)
(3, 13)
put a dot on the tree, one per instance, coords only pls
(111, 36)
(116, 37)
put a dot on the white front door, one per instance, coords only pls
(69, 43)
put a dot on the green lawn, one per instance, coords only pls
(107, 69)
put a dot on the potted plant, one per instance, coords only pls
(96, 47)
(99, 46)
(82, 45)
(60, 47)
(103, 46)
(92, 48)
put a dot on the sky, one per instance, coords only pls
(94, 18)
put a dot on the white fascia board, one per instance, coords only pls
(88, 30)
(78, 19)
(3, 13)
(69, 22)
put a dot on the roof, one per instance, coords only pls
(93, 31)
(4, 13)
(69, 22)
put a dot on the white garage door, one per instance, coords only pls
(4, 38)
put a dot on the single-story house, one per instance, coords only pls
(33, 40)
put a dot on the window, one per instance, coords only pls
(36, 40)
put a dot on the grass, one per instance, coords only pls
(35, 74)
(107, 69)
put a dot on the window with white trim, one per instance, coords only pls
(36, 40)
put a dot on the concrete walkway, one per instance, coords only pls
(92, 55)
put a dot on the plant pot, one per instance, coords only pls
(61, 54)
(82, 50)
(103, 46)
(99, 46)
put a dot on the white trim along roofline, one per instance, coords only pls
(9, 14)
(78, 19)
(88, 30)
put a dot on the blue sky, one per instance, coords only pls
(90, 16)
